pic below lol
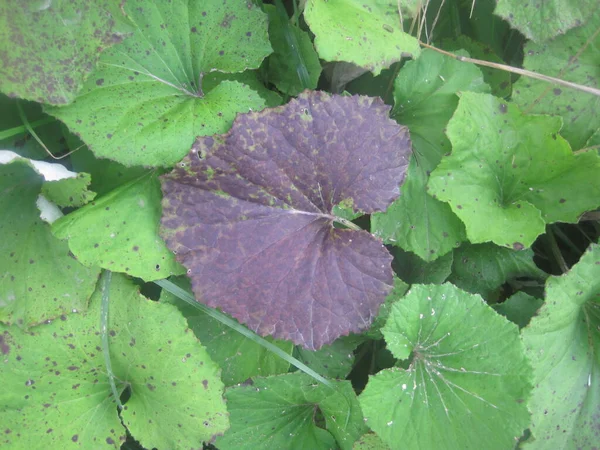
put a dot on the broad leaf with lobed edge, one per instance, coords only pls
(291, 404)
(249, 214)
(176, 394)
(145, 104)
(39, 278)
(510, 174)
(563, 344)
(468, 380)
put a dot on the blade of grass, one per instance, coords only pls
(182, 294)
(105, 289)
(15, 131)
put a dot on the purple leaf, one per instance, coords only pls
(249, 213)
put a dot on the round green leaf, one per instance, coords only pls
(56, 389)
(540, 20)
(281, 412)
(145, 104)
(563, 344)
(49, 48)
(119, 232)
(509, 174)
(367, 34)
(573, 57)
(467, 382)
(34, 265)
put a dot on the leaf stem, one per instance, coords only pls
(182, 294)
(28, 127)
(105, 289)
(347, 223)
(523, 72)
(556, 251)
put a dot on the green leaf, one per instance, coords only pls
(483, 268)
(71, 191)
(334, 360)
(510, 174)
(499, 80)
(240, 358)
(370, 441)
(145, 105)
(119, 232)
(176, 395)
(39, 278)
(49, 48)
(573, 57)
(291, 404)
(250, 78)
(540, 20)
(106, 175)
(562, 342)
(413, 270)
(294, 65)
(424, 100)
(368, 35)
(466, 384)
(519, 308)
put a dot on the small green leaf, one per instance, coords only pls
(334, 360)
(563, 343)
(119, 232)
(573, 57)
(49, 48)
(541, 20)
(145, 105)
(240, 358)
(366, 34)
(291, 404)
(413, 270)
(509, 174)
(424, 100)
(483, 268)
(467, 382)
(39, 278)
(519, 308)
(56, 388)
(69, 191)
(294, 65)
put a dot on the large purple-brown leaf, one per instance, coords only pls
(249, 213)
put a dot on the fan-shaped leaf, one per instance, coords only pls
(509, 173)
(144, 105)
(291, 404)
(250, 215)
(176, 394)
(468, 380)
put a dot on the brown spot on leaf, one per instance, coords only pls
(502, 108)
(518, 246)
(557, 91)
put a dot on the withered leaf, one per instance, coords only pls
(249, 213)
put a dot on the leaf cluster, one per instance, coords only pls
(313, 224)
